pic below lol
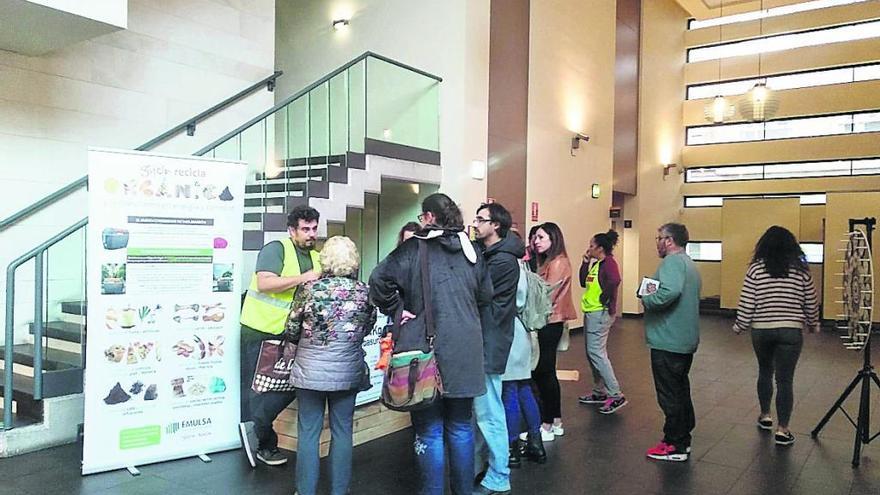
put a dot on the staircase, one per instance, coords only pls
(327, 145)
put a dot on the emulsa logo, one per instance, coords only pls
(187, 424)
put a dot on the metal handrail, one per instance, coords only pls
(189, 126)
(309, 88)
(36, 254)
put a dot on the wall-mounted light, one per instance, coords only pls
(478, 169)
(595, 190)
(667, 169)
(340, 24)
(386, 133)
(576, 141)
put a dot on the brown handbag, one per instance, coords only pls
(272, 373)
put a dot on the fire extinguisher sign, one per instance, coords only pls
(534, 211)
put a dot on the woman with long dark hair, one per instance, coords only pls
(408, 230)
(778, 302)
(600, 276)
(555, 268)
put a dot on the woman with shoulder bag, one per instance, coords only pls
(555, 268)
(778, 302)
(328, 321)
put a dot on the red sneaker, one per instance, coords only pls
(665, 452)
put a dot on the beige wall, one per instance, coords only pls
(449, 39)
(661, 137)
(571, 89)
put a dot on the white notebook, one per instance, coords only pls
(648, 286)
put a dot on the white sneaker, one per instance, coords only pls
(248, 441)
(524, 436)
(547, 435)
(558, 430)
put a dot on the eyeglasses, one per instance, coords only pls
(421, 217)
(481, 220)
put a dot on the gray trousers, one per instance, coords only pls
(597, 324)
(310, 422)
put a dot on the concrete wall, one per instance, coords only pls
(177, 58)
(571, 89)
(448, 38)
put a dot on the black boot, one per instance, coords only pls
(535, 448)
(514, 461)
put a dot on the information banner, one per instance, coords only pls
(162, 361)
(371, 356)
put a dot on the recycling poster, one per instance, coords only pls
(162, 360)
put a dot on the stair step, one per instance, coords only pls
(277, 188)
(53, 359)
(275, 201)
(297, 173)
(61, 330)
(21, 385)
(19, 420)
(74, 307)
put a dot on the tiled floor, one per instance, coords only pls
(598, 454)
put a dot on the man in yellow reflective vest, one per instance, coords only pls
(281, 267)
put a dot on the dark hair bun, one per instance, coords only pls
(613, 236)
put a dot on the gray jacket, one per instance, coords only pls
(329, 319)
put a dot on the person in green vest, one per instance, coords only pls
(282, 266)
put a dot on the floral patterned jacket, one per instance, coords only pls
(329, 319)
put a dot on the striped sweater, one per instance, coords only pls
(785, 302)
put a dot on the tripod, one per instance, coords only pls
(864, 377)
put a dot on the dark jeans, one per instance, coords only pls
(309, 423)
(778, 350)
(445, 424)
(544, 374)
(673, 387)
(263, 408)
(519, 405)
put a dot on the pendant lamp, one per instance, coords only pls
(719, 110)
(759, 103)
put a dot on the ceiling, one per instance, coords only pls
(706, 9)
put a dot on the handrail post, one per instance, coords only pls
(7, 349)
(38, 326)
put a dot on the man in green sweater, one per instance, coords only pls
(672, 331)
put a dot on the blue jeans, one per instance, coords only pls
(489, 410)
(597, 324)
(519, 405)
(309, 423)
(445, 424)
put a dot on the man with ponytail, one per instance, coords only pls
(600, 276)
(461, 297)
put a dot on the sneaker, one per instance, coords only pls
(613, 404)
(558, 430)
(547, 435)
(524, 436)
(765, 423)
(248, 441)
(665, 452)
(783, 438)
(272, 457)
(593, 398)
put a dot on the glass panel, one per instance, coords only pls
(254, 151)
(319, 121)
(704, 251)
(815, 252)
(809, 79)
(338, 92)
(813, 199)
(357, 107)
(774, 12)
(725, 133)
(402, 106)
(65, 279)
(298, 127)
(865, 167)
(815, 169)
(722, 89)
(866, 73)
(866, 122)
(229, 149)
(816, 126)
(717, 174)
(701, 201)
(767, 44)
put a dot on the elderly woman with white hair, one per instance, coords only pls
(329, 318)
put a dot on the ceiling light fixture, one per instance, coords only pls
(760, 102)
(340, 24)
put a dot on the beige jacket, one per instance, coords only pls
(556, 270)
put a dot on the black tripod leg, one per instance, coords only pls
(836, 405)
(864, 421)
(874, 377)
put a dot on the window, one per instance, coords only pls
(789, 81)
(774, 12)
(704, 251)
(714, 201)
(815, 251)
(794, 170)
(828, 125)
(775, 43)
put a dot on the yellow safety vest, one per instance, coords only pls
(591, 301)
(267, 312)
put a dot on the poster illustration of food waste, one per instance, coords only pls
(162, 361)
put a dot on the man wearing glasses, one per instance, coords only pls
(501, 252)
(672, 331)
